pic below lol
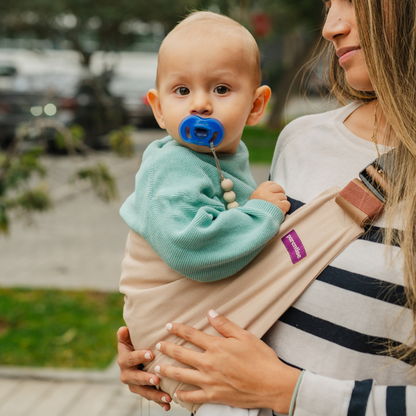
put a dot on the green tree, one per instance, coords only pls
(110, 25)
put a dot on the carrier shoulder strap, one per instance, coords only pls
(363, 199)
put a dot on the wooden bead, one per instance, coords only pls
(232, 205)
(227, 184)
(229, 196)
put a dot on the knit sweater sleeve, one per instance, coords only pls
(349, 397)
(177, 209)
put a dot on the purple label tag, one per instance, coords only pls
(294, 246)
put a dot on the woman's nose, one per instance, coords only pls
(336, 23)
(201, 104)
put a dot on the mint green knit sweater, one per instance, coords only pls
(177, 206)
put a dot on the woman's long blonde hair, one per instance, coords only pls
(387, 32)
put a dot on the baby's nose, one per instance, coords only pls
(201, 104)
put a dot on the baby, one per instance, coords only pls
(195, 201)
(208, 67)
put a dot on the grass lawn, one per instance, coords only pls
(260, 143)
(52, 328)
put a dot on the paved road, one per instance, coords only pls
(20, 397)
(78, 245)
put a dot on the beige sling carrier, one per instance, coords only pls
(255, 297)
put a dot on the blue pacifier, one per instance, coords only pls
(201, 131)
(208, 132)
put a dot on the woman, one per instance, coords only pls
(350, 326)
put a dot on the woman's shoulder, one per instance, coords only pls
(317, 121)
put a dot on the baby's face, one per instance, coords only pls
(207, 78)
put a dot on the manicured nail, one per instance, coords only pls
(158, 346)
(157, 369)
(212, 313)
(175, 395)
(168, 327)
(147, 356)
(152, 382)
(164, 399)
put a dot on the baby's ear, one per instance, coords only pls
(154, 101)
(261, 98)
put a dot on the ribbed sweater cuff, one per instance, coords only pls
(267, 207)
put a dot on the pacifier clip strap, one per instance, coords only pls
(216, 160)
(226, 184)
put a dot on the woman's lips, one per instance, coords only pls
(345, 54)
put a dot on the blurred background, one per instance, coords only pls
(74, 122)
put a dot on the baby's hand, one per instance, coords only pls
(272, 192)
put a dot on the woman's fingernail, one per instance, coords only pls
(152, 382)
(157, 369)
(212, 313)
(158, 346)
(164, 399)
(147, 356)
(168, 327)
(175, 395)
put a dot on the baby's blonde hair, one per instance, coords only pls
(208, 24)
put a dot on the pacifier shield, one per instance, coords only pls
(201, 131)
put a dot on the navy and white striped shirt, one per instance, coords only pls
(339, 328)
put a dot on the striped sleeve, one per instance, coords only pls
(353, 398)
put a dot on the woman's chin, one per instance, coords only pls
(359, 81)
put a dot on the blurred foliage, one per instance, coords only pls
(55, 328)
(20, 171)
(16, 192)
(77, 134)
(78, 21)
(120, 141)
(285, 15)
(114, 26)
(101, 180)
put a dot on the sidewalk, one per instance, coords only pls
(52, 392)
(78, 245)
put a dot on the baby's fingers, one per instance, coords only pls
(275, 188)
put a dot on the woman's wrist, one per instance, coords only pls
(285, 386)
(295, 393)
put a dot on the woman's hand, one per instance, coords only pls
(239, 370)
(139, 382)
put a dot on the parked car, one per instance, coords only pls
(68, 98)
(134, 92)
(17, 109)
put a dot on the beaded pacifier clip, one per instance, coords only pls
(208, 132)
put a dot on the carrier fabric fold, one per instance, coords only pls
(254, 298)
